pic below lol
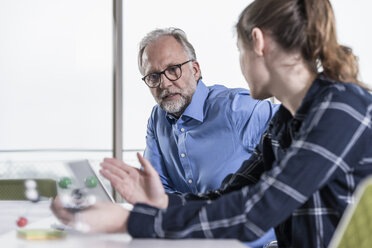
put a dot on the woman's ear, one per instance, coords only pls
(258, 41)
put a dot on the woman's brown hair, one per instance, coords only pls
(307, 26)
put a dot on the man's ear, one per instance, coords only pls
(258, 41)
(196, 70)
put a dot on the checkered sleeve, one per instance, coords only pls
(317, 155)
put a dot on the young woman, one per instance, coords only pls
(309, 162)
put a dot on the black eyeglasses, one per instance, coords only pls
(172, 72)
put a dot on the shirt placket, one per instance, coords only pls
(181, 133)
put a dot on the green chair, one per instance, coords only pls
(14, 189)
(355, 227)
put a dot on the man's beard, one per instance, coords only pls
(175, 107)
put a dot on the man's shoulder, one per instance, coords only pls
(230, 100)
(157, 113)
(157, 110)
(219, 92)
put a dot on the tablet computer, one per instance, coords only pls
(83, 171)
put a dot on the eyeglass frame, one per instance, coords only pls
(163, 72)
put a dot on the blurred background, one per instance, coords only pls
(56, 72)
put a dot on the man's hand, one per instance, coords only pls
(100, 218)
(136, 186)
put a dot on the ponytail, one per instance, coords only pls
(322, 48)
(307, 26)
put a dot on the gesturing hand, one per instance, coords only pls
(136, 186)
(100, 218)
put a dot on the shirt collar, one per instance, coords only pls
(195, 109)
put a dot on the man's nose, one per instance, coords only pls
(165, 82)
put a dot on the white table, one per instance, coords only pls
(115, 241)
(9, 239)
(10, 211)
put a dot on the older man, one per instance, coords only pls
(196, 135)
(195, 131)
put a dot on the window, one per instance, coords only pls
(56, 85)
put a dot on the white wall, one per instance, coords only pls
(209, 25)
(353, 20)
(55, 63)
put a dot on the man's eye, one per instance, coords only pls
(172, 70)
(153, 77)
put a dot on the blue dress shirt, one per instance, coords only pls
(217, 131)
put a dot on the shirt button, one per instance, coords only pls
(182, 129)
(190, 180)
(183, 155)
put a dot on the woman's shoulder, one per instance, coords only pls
(342, 93)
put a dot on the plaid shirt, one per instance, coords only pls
(299, 180)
